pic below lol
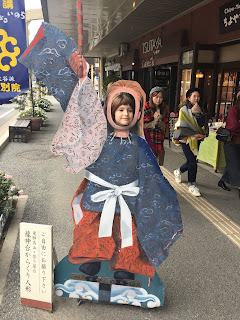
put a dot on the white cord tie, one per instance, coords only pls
(110, 197)
(113, 136)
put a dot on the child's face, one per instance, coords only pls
(123, 115)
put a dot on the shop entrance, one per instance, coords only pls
(165, 76)
(227, 87)
(204, 82)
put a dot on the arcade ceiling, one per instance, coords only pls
(108, 23)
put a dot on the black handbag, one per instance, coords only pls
(223, 135)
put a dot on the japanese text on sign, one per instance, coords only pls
(36, 262)
(10, 87)
(17, 15)
(8, 4)
(13, 75)
(229, 17)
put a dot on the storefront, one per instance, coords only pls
(153, 61)
(228, 82)
(129, 62)
(198, 68)
(192, 52)
(112, 66)
(214, 68)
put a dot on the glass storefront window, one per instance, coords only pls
(185, 83)
(219, 79)
(187, 57)
(162, 78)
(226, 94)
(199, 75)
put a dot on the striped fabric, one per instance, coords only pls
(156, 134)
(185, 128)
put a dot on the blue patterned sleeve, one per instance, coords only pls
(158, 216)
(47, 57)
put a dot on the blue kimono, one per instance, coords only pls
(155, 208)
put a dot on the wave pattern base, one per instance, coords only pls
(149, 295)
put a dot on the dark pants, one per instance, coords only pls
(231, 172)
(190, 165)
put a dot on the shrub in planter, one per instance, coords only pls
(7, 191)
(43, 104)
(7, 187)
(42, 89)
(39, 109)
(37, 119)
(28, 113)
(21, 101)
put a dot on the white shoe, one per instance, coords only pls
(177, 175)
(194, 191)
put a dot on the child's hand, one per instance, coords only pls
(79, 65)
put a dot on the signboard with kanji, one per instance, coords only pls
(36, 267)
(13, 75)
(229, 17)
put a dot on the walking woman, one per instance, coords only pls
(231, 172)
(155, 123)
(190, 129)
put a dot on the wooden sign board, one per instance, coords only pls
(229, 17)
(36, 266)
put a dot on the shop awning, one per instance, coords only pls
(170, 50)
(107, 24)
(130, 61)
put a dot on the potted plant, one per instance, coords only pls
(7, 191)
(37, 118)
(43, 104)
(33, 105)
(41, 89)
(36, 111)
(21, 101)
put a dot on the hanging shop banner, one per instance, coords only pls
(229, 17)
(13, 75)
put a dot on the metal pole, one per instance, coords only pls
(101, 78)
(80, 34)
(30, 74)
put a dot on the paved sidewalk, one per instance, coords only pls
(4, 132)
(201, 275)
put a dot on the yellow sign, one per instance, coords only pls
(5, 53)
(7, 87)
(7, 4)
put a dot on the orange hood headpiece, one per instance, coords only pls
(136, 91)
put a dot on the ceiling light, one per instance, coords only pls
(199, 75)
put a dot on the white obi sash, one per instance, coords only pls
(110, 197)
